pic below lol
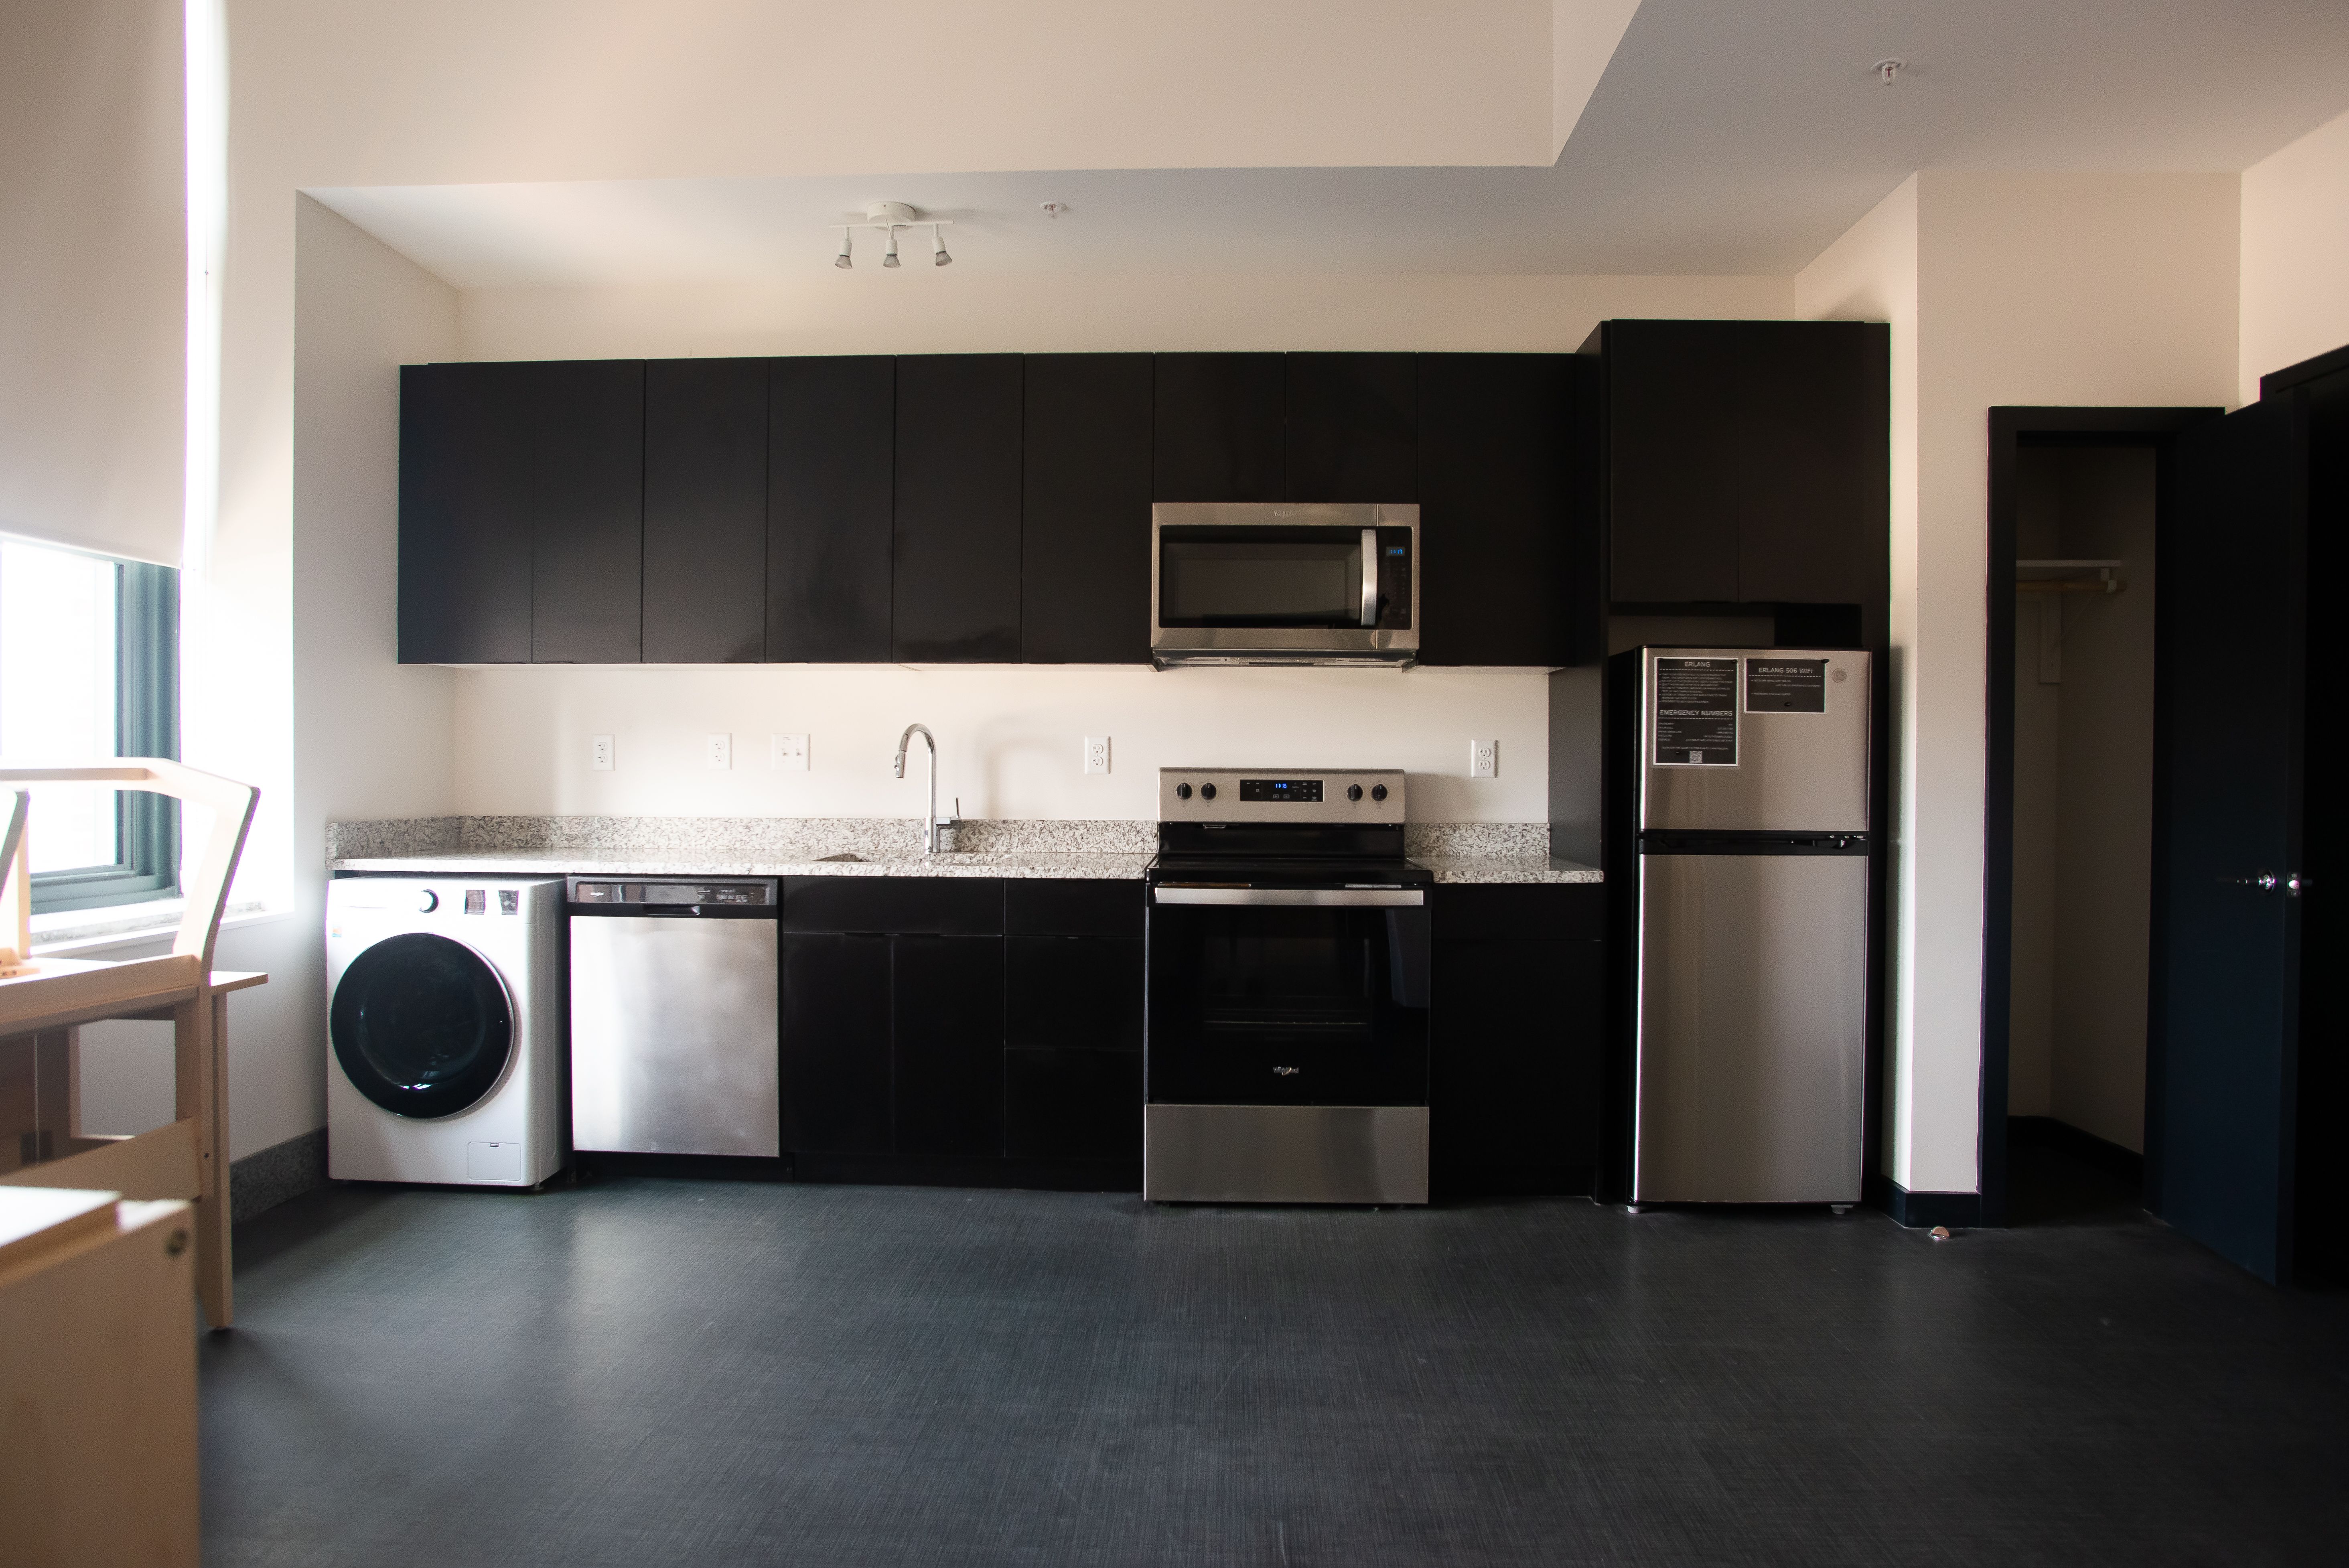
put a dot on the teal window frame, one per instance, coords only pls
(146, 724)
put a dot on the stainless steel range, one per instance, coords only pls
(1286, 1047)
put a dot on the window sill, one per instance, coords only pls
(93, 932)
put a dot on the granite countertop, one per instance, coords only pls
(1458, 852)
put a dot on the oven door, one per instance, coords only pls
(1287, 997)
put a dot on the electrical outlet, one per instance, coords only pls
(1484, 759)
(599, 753)
(1096, 753)
(787, 753)
(721, 751)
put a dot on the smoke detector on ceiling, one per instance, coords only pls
(1887, 69)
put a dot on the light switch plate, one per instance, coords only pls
(1096, 753)
(1484, 759)
(787, 753)
(721, 751)
(599, 753)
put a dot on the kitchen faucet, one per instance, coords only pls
(930, 817)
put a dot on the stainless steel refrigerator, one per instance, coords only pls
(1752, 925)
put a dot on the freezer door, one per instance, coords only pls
(1753, 1015)
(1757, 738)
(673, 1035)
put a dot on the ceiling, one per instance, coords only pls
(1725, 137)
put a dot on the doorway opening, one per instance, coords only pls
(2076, 499)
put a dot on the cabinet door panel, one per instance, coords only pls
(831, 457)
(1497, 533)
(464, 526)
(705, 511)
(1076, 993)
(949, 995)
(1682, 460)
(957, 585)
(1072, 1105)
(1823, 535)
(1085, 509)
(1515, 1053)
(1353, 426)
(584, 465)
(1219, 424)
(836, 1045)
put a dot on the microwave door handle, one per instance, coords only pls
(1370, 578)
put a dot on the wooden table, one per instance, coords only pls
(185, 1158)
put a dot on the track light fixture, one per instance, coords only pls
(889, 217)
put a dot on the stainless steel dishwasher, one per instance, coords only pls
(674, 1014)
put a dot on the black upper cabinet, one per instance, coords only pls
(522, 513)
(1501, 544)
(1085, 509)
(581, 458)
(705, 511)
(464, 523)
(1746, 460)
(1220, 427)
(831, 455)
(957, 585)
(1353, 427)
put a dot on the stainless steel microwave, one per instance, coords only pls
(1283, 583)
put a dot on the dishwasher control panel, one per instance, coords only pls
(595, 893)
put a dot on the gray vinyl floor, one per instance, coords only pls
(644, 1371)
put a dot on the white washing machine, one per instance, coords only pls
(445, 1057)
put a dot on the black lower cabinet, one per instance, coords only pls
(949, 996)
(1062, 1104)
(922, 1044)
(836, 1044)
(1517, 1041)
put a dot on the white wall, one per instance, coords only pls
(965, 310)
(2028, 289)
(2295, 255)
(1009, 737)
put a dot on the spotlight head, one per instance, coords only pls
(938, 257)
(889, 256)
(842, 260)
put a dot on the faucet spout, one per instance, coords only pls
(929, 818)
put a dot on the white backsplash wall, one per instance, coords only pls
(1010, 737)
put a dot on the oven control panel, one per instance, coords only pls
(1280, 795)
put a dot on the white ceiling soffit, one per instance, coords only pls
(1721, 138)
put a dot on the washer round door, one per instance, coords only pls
(422, 1026)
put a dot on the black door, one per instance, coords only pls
(421, 1026)
(957, 585)
(578, 462)
(831, 445)
(2230, 671)
(1504, 554)
(1219, 426)
(1084, 558)
(464, 528)
(704, 512)
(1353, 423)
(835, 1043)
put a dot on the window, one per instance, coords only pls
(89, 667)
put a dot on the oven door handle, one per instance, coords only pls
(1355, 897)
